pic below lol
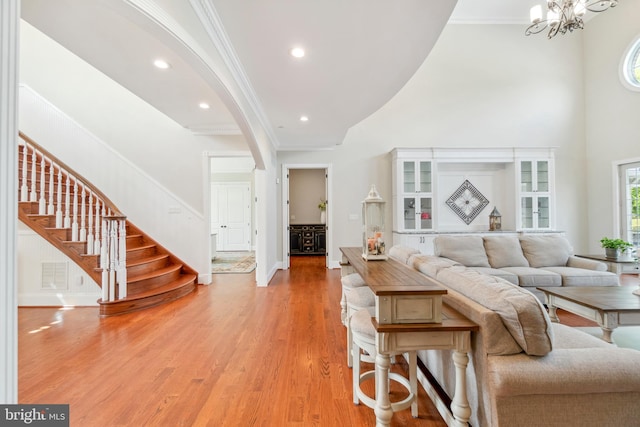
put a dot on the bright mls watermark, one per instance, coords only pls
(34, 415)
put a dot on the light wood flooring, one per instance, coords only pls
(230, 354)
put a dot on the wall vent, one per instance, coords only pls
(54, 275)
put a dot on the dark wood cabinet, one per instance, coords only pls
(307, 239)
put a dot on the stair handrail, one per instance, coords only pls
(109, 221)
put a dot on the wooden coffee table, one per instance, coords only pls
(608, 306)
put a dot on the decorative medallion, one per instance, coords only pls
(467, 202)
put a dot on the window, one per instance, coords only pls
(630, 187)
(630, 68)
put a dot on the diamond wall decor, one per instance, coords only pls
(467, 202)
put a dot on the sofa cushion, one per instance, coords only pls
(532, 277)
(581, 277)
(402, 253)
(549, 250)
(567, 337)
(467, 250)
(430, 265)
(504, 251)
(523, 315)
(509, 277)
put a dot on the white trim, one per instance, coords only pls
(285, 210)
(9, 60)
(615, 171)
(623, 67)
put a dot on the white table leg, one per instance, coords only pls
(460, 404)
(383, 409)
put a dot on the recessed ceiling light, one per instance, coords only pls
(204, 105)
(297, 52)
(304, 118)
(162, 64)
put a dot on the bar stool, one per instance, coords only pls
(357, 299)
(350, 281)
(364, 338)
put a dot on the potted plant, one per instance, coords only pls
(613, 247)
(323, 211)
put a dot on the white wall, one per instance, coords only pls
(306, 191)
(482, 86)
(80, 116)
(612, 113)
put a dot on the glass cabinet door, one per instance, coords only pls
(409, 177)
(526, 176)
(527, 212)
(409, 204)
(425, 177)
(542, 175)
(425, 213)
(543, 212)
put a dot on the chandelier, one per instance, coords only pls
(564, 15)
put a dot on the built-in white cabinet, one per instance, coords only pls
(535, 210)
(414, 198)
(518, 181)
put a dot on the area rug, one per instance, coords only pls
(233, 262)
(623, 336)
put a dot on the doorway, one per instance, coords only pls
(306, 213)
(231, 204)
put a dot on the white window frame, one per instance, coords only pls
(631, 55)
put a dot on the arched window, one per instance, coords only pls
(630, 68)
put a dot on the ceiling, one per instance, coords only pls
(359, 53)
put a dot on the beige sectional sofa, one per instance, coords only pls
(523, 369)
(529, 260)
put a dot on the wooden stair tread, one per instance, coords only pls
(183, 280)
(155, 273)
(146, 260)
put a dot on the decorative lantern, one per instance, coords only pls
(495, 220)
(373, 244)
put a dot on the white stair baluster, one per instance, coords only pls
(83, 214)
(97, 241)
(33, 196)
(24, 189)
(59, 201)
(122, 259)
(74, 223)
(50, 209)
(67, 201)
(42, 201)
(90, 226)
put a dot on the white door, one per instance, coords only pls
(231, 216)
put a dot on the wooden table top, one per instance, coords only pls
(387, 277)
(604, 298)
(604, 258)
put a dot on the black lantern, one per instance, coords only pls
(495, 220)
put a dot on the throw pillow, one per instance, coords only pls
(467, 250)
(504, 251)
(551, 250)
(521, 312)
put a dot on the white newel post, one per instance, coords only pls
(9, 30)
(104, 259)
(122, 258)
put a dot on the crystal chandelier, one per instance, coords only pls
(564, 15)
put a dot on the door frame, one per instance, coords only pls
(285, 209)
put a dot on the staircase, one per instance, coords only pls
(133, 270)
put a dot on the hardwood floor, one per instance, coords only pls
(229, 354)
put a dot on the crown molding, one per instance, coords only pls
(208, 16)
